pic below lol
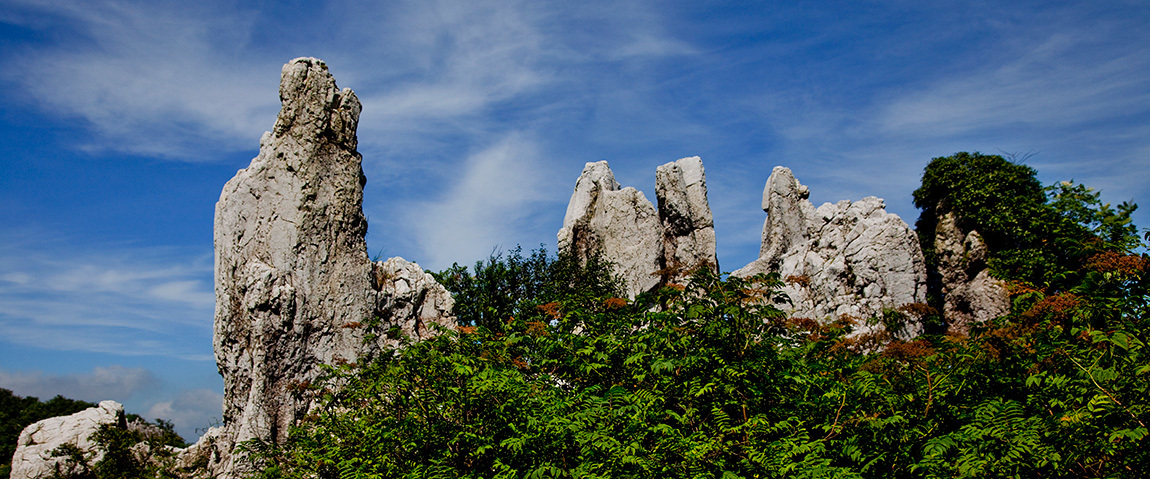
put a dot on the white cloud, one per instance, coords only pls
(1049, 85)
(147, 78)
(99, 384)
(497, 188)
(140, 301)
(191, 411)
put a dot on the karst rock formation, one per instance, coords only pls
(295, 287)
(970, 294)
(849, 258)
(685, 214)
(649, 246)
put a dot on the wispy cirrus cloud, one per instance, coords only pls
(139, 301)
(154, 78)
(498, 189)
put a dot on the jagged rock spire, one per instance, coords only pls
(649, 246)
(688, 228)
(619, 221)
(849, 258)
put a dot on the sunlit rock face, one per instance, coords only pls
(648, 245)
(295, 287)
(33, 458)
(845, 258)
(970, 294)
(619, 221)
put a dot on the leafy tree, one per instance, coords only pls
(1035, 235)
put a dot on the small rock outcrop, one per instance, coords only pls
(970, 294)
(33, 458)
(685, 214)
(846, 258)
(648, 246)
(295, 287)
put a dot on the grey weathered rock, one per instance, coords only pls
(844, 258)
(685, 214)
(33, 457)
(970, 294)
(295, 287)
(622, 222)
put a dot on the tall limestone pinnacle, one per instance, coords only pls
(688, 227)
(295, 287)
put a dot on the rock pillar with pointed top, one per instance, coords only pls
(295, 287)
(619, 222)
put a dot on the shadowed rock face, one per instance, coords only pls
(688, 228)
(970, 294)
(649, 246)
(842, 258)
(295, 287)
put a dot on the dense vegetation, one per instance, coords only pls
(553, 375)
(1039, 236)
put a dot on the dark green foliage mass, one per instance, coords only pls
(1040, 236)
(514, 286)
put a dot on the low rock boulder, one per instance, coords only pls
(34, 448)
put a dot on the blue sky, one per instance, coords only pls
(120, 122)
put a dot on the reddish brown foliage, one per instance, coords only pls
(801, 280)
(918, 310)
(537, 329)
(550, 309)
(615, 303)
(1059, 307)
(908, 351)
(1115, 262)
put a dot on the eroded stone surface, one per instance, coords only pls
(685, 216)
(295, 287)
(970, 294)
(620, 221)
(33, 457)
(849, 258)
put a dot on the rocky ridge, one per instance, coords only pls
(33, 458)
